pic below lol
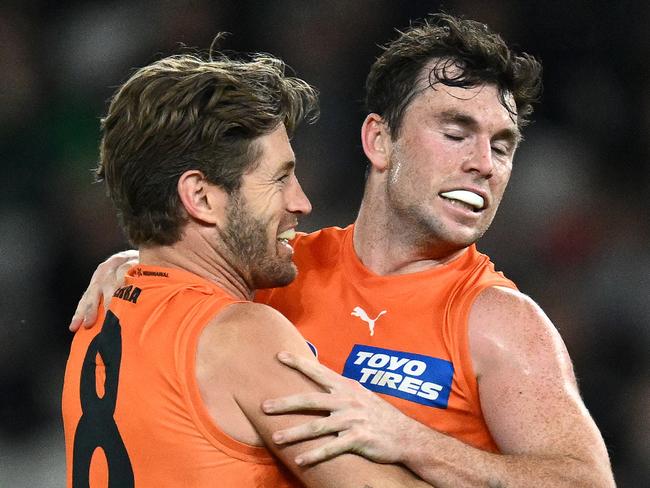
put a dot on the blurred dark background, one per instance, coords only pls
(573, 230)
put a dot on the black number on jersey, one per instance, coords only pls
(97, 426)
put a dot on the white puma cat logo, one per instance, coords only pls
(361, 313)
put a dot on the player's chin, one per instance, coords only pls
(465, 235)
(275, 274)
(288, 274)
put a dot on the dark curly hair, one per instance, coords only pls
(464, 53)
(182, 113)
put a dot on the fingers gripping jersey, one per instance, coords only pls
(402, 336)
(132, 410)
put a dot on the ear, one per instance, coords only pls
(202, 200)
(376, 141)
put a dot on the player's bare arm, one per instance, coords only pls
(530, 398)
(237, 369)
(528, 395)
(376, 430)
(366, 424)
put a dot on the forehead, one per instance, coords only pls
(482, 102)
(275, 149)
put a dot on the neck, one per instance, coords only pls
(194, 253)
(386, 244)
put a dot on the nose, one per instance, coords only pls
(480, 159)
(297, 201)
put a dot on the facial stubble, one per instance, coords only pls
(247, 239)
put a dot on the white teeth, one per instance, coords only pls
(468, 197)
(288, 234)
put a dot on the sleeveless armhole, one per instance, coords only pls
(457, 336)
(186, 366)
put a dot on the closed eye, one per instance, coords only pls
(503, 148)
(454, 137)
(285, 172)
(284, 178)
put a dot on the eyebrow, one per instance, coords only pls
(451, 116)
(286, 166)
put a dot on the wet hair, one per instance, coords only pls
(185, 113)
(458, 53)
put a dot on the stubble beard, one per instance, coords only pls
(417, 222)
(246, 238)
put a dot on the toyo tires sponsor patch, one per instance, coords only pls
(414, 377)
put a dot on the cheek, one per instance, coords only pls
(266, 202)
(499, 182)
(273, 213)
(502, 174)
(444, 160)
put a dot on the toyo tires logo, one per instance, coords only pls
(414, 377)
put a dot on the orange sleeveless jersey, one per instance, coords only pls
(402, 336)
(130, 389)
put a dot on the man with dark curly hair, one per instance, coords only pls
(467, 382)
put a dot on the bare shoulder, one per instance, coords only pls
(529, 396)
(250, 330)
(507, 325)
(237, 368)
(498, 303)
(252, 315)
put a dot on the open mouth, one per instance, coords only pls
(469, 199)
(286, 236)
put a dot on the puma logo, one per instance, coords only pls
(361, 313)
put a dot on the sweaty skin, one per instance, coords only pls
(454, 139)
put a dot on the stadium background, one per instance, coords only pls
(573, 230)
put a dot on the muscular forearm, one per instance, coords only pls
(384, 476)
(448, 463)
(371, 427)
(352, 471)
